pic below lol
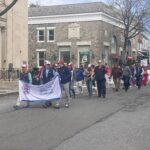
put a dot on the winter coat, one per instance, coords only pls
(65, 74)
(100, 73)
(47, 75)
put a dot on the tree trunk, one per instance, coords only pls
(124, 53)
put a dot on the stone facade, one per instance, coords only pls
(14, 35)
(79, 36)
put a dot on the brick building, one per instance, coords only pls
(78, 33)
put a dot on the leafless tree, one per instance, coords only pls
(5, 7)
(135, 15)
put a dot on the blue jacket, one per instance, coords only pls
(47, 77)
(79, 74)
(26, 77)
(138, 71)
(100, 73)
(65, 74)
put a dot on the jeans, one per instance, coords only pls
(138, 81)
(126, 80)
(89, 85)
(101, 86)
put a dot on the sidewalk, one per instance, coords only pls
(8, 87)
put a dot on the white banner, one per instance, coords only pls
(37, 93)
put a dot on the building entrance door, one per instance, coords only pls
(84, 55)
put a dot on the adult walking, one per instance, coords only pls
(139, 71)
(71, 84)
(46, 75)
(79, 77)
(65, 79)
(26, 77)
(100, 79)
(126, 74)
(116, 73)
(88, 79)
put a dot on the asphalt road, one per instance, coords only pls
(119, 122)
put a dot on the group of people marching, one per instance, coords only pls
(93, 76)
(131, 75)
(44, 75)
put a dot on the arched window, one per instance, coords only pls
(139, 44)
(114, 45)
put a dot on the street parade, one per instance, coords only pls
(52, 82)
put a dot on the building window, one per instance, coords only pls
(40, 34)
(64, 53)
(106, 33)
(83, 55)
(41, 55)
(50, 34)
(122, 37)
(114, 45)
(139, 45)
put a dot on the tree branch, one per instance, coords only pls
(8, 7)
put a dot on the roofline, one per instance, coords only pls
(66, 4)
(96, 16)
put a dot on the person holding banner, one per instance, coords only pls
(25, 76)
(47, 74)
(65, 79)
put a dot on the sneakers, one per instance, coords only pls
(16, 107)
(67, 105)
(47, 104)
(57, 106)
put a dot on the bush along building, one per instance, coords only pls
(77, 33)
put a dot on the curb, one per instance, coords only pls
(9, 93)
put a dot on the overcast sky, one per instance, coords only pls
(57, 2)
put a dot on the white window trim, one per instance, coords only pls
(50, 28)
(39, 50)
(40, 28)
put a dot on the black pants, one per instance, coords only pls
(101, 86)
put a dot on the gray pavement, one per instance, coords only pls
(88, 124)
(128, 129)
(123, 131)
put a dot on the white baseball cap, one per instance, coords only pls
(89, 65)
(99, 61)
(24, 65)
(47, 62)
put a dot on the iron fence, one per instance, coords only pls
(7, 74)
